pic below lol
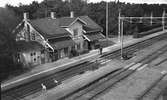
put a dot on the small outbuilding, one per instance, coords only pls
(31, 53)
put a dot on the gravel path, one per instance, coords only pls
(160, 63)
(133, 86)
(162, 66)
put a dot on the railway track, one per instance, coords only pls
(105, 83)
(154, 91)
(32, 87)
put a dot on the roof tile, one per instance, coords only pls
(53, 27)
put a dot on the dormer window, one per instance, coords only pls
(75, 32)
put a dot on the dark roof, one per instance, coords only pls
(66, 21)
(91, 25)
(49, 27)
(26, 46)
(94, 36)
(60, 43)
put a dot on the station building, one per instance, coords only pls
(60, 37)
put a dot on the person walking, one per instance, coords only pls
(101, 50)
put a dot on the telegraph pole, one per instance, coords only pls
(121, 19)
(119, 26)
(151, 17)
(119, 22)
(122, 38)
(163, 20)
(107, 21)
(46, 9)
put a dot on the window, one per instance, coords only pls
(75, 32)
(34, 59)
(31, 54)
(33, 36)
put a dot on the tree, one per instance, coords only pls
(8, 22)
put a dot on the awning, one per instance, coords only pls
(94, 36)
(62, 43)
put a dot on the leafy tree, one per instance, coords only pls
(8, 22)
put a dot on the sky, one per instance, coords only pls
(16, 2)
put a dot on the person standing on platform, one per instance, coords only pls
(101, 50)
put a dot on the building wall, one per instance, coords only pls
(77, 38)
(28, 33)
(31, 58)
(34, 57)
(22, 35)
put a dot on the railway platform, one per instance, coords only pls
(130, 88)
(49, 68)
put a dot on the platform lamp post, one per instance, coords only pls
(44, 95)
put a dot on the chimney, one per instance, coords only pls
(52, 15)
(72, 14)
(25, 15)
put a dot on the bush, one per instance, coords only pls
(8, 66)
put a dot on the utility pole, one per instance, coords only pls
(119, 26)
(122, 18)
(163, 20)
(46, 12)
(151, 18)
(119, 22)
(107, 21)
(70, 5)
(122, 38)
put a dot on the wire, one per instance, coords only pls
(131, 21)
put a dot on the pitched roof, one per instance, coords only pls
(26, 46)
(49, 27)
(60, 43)
(91, 25)
(94, 36)
(65, 21)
